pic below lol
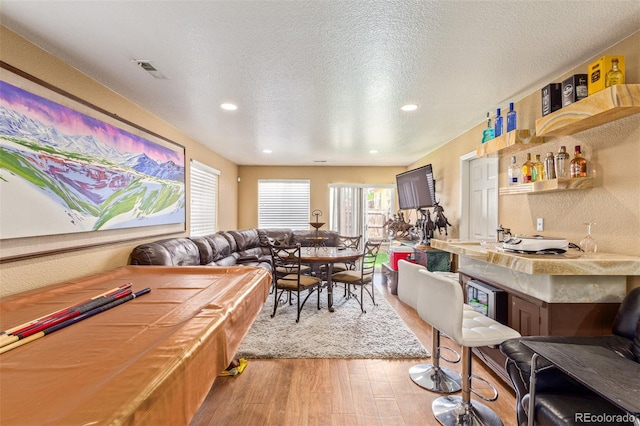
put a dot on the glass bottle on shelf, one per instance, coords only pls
(514, 172)
(537, 174)
(511, 118)
(488, 133)
(578, 165)
(562, 163)
(614, 75)
(497, 124)
(549, 167)
(527, 169)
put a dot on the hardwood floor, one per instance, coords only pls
(338, 391)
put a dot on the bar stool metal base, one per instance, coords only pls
(451, 410)
(436, 379)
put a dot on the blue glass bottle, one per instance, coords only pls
(497, 124)
(511, 118)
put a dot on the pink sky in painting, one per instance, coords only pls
(74, 123)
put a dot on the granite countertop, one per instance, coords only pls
(569, 263)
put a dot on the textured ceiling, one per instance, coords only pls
(324, 80)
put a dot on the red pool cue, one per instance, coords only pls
(78, 310)
(74, 320)
(67, 309)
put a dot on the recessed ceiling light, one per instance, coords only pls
(267, 151)
(373, 151)
(229, 107)
(409, 107)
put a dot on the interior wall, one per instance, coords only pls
(320, 176)
(33, 273)
(612, 151)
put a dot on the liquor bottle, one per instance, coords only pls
(514, 172)
(488, 133)
(549, 167)
(511, 118)
(527, 170)
(614, 75)
(562, 163)
(537, 173)
(497, 124)
(578, 165)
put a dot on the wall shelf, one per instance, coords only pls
(510, 143)
(610, 104)
(551, 185)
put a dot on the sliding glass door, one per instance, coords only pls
(361, 210)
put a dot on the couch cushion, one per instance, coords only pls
(281, 236)
(220, 246)
(170, 252)
(232, 241)
(572, 409)
(245, 239)
(206, 254)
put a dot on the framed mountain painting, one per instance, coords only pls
(68, 167)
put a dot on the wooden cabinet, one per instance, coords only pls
(524, 316)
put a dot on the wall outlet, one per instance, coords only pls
(540, 224)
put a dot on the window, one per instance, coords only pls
(204, 199)
(283, 204)
(357, 209)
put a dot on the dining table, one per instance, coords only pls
(328, 256)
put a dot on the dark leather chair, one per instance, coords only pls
(558, 397)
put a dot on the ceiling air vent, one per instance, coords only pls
(153, 71)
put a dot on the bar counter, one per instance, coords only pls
(572, 277)
(148, 361)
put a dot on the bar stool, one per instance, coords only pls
(429, 376)
(441, 304)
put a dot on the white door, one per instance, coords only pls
(482, 212)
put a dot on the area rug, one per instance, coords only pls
(344, 333)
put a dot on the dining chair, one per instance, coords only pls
(347, 242)
(289, 278)
(363, 277)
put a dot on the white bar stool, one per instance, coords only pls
(429, 376)
(441, 304)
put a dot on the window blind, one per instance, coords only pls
(204, 199)
(283, 204)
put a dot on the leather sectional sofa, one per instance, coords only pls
(224, 248)
(558, 397)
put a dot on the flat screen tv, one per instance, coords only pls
(416, 188)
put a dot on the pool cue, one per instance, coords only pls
(79, 309)
(73, 320)
(67, 309)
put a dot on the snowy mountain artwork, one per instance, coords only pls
(62, 171)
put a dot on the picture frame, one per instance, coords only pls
(73, 175)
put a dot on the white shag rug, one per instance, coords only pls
(344, 333)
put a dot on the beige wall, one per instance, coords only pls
(320, 176)
(33, 273)
(613, 151)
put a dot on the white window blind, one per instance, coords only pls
(204, 199)
(283, 204)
